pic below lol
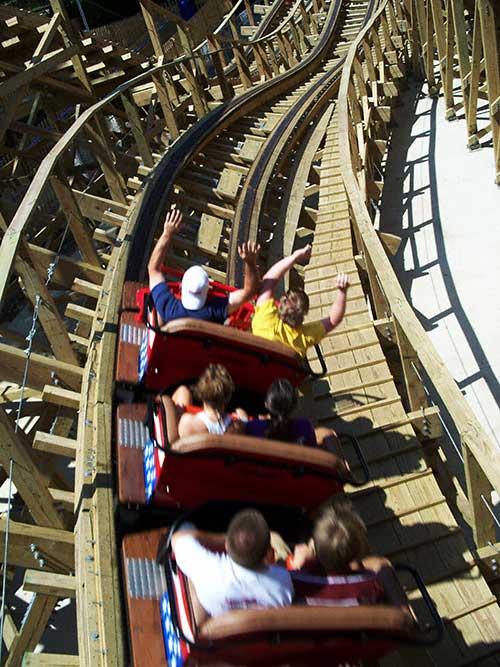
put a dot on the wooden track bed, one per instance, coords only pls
(406, 513)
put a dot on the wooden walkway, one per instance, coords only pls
(407, 515)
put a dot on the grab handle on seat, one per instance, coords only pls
(366, 475)
(434, 634)
(312, 374)
(151, 424)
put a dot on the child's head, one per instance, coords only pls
(293, 307)
(340, 537)
(215, 387)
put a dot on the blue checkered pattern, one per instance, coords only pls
(143, 356)
(149, 469)
(173, 647)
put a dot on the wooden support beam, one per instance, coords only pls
(55, 444)
(101, 209)
(41, 368)
(50, 583)
(26, 476)
(47, 37)
(64, 500)
(9, 630)
(80, 313)
(66, 270)
(47, 64)
(48, 314)
(50, 660)
(11, 109)
(478, 491)
(135, 123)
(61, 397)
(78, 226)
(56, 546)
(33, 627)
(410, 362)
(104, 156)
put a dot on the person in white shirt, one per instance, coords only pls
(242, 576)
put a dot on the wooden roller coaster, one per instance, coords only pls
(275, 131)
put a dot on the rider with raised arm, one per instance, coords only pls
(285, 322)
(195, 282)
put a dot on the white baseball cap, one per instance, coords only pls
(194, 288)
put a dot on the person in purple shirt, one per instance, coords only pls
(280, 401)
(195, 282)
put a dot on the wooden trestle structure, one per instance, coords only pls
(275, 132)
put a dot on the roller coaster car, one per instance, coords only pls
(298, 635)
(161, 357)
(190, 471)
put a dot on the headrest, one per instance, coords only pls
(298, 618)
(243, 339)
(246, 445)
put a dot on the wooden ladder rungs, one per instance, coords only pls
(60, 396)
(50, 583)
(86, 288)
(54, 444)
(134, 183)
(65, 499)
(80, 341)
(79, 313)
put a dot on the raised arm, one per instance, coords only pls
(248, 253)
(338, 307)
(278, 270)
(173, 222)
(213, 541)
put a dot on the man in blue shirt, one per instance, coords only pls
(195, 283)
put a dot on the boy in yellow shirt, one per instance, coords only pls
(284, 323)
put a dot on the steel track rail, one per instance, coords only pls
(159, 189)
(285, 134)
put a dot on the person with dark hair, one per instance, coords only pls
(335, 567)
(280, 401)
(285, 323)
(195, 282)
(214, 389)
(242, 576)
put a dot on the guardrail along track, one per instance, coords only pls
(279, 152)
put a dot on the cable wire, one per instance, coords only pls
(5, 554)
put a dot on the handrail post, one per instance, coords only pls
(478, 487)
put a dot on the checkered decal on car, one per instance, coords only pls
(149, 469)
(175, 649)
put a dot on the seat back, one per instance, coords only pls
(185, 347)
(285, 635)
(230, 467)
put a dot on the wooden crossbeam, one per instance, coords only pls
(79, 228)
(50, 660)
(33, 626)
(12, 362)
(26, 476)
(56, 546)
(47, 38)
(50, 583)
(47, 64)
(63, 499)
(54, 444)
(66, 270)
(59, 396)
(48, 314)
